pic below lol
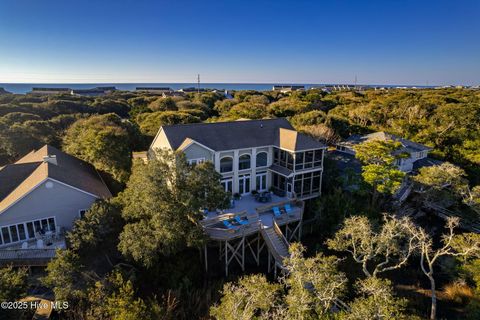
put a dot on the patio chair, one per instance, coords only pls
(227, 224)
(276, 212)
(288, 209)
(241, 221)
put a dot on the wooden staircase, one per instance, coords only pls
(277, 244)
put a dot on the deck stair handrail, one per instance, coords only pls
(276, 243)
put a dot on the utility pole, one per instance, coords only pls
(198, 83)
(355, 81)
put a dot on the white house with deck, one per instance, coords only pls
(41, 195)
(268, 156)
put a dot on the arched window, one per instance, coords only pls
(262, 159)
(244, 162)
(226, 164)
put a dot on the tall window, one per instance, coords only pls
(226, 164)
(308, 159)
(307, 184)
(25, 230)
(244, 162)
(283, 158)
(262, 159)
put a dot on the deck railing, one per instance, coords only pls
(26, 256)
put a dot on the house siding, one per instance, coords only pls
(195, 151)
(160, 142)
(62, 202)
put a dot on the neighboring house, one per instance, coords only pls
(417, 152)
(48, 91)
(173, 94)
(193, 89)
(251, 155)
(287, 88)
(157, 90)
(44, 193)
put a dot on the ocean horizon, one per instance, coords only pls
(22, 88)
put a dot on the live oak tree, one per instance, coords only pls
(251, 297)
(308, 290)
(381, 249)
(97, 232)
(114, 297)
(163, 204)
(13, 286)
(447, 180)
(314, 284)
(375, 301)
(379, 169)
(458, 245)
(106, 141)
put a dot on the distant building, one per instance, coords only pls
(3, 91)
(193, 89)
(173, 94)
(225, 93)
(287, 88)
(98, 91)
(48, 91)
(157, 90)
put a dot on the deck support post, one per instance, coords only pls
(206, 257)
(226, 259)
(243, 253)
(258, 249)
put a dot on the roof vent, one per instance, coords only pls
(50, 159)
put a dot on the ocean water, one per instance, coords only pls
(21, 88)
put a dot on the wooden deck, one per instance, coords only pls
(32, 256)
(261, 217)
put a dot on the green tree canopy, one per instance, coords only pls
(106, 141)
(163, 204)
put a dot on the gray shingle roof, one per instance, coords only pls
(232, 135)
(408, 146)
(19, 178)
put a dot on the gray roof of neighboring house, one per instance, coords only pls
(220, 136)
(408, 145)
(18, 179)
(345, 161)
(425, 162)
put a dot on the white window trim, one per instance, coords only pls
(26, 230)
(196, 161)
(256, 157)
(241, 155)
(220, 163)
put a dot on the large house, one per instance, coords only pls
(259, 155)
(417, 153)
(43, 193)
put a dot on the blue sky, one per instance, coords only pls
(381, 42)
